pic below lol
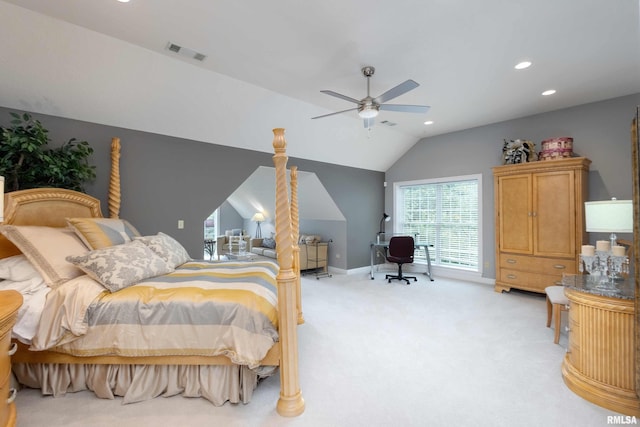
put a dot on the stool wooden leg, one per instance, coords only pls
(548, 312)
(556, 312)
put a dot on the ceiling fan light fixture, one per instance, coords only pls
(368, 112)
(368, 107)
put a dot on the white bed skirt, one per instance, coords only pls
(135, 383)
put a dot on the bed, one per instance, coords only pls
(173, 326)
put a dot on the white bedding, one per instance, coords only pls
(18, 274)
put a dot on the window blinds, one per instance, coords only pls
(445, 215)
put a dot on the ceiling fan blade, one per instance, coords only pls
(341, 96)
(333, 114)
(368, 123)
(421, 109)
(394, 92)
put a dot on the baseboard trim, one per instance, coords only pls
(447, 273)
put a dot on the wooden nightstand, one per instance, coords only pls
(10, 302)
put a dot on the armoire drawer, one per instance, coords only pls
(541, 265)
(515, 262)
(529, 280)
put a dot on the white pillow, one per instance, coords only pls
(17, 268)
(167, 248)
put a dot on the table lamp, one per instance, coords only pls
(609, 216)
(608, 259)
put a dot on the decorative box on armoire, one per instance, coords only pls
(539, 214)
(10, 302)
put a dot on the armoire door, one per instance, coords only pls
(515, 209)
(554, 214)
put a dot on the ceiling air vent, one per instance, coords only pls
(388, 123)
(183, 51)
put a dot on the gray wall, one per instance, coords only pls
(229, 218)
(601, 132)
(165, 179)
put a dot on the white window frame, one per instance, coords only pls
(451, 271)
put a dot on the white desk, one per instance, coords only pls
(381, 248)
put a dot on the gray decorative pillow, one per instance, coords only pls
(120, 266)
(167, 248)
(269, 242)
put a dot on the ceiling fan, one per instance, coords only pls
(369, 107)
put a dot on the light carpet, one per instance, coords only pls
(442, 353)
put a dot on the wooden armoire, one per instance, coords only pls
(539, 214)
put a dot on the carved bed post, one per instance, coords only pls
(291, 402)
(114, 179)
(295, 231)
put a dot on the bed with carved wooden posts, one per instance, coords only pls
(118, 372)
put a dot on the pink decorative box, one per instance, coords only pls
(556, 148)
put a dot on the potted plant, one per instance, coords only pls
(27, 162)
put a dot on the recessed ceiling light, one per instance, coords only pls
(428, 122)
(548, 92)
(522, 65)
(123, 1)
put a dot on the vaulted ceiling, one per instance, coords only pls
(267, 61)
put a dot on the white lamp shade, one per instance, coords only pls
(609, 216)
(2, 199)
(258, 217)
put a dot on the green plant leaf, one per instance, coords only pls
(27, 162)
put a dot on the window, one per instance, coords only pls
(444, 213)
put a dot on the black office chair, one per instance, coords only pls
(400, 252)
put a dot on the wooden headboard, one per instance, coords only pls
(47, 207)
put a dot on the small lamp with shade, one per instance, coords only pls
(258, 217)
(607, 259)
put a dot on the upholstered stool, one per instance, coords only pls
(557, 302)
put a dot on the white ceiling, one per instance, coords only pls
(268, 60)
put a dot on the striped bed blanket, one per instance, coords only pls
(202, 308)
